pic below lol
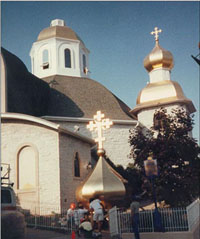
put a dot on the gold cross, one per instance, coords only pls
(99, 124)
(155, 32)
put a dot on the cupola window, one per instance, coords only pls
(156, 122)
(77, 165)
(45, 59)
(84, 64)
(67, 58)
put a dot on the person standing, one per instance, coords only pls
(80, 213)
(70, 215)
(135, 205)
(98, 216)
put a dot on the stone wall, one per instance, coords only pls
(54, 162)
(18, 134)
(116, 144)
(68, 147)
(145, 117)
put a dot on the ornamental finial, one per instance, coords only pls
(155, 32)
(99, 124)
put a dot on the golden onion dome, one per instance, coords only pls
(162, 93)
(103, 181)
(158, 58)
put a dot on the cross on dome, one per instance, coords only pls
(155, 32)
(99, 124)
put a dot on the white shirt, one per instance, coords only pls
(86, 226)
(95, 204)
(81, 213)
(70, 213)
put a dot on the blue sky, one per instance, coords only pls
(118, 37)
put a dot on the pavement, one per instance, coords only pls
(32, 233)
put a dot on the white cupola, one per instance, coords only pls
(59, 51)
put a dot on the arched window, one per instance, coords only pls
(67, 58)
(26, 175)
(45, 59)
(84, 63)
(158, 119)
(156, 122)
(77, 165)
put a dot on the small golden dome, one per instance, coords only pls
(158, 58)
(58, 30)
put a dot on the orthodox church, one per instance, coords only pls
(45, 113)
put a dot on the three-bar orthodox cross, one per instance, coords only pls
(99, 124)
(155, 32)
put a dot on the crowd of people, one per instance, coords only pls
(85, 221)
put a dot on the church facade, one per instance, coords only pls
(44, 114)
(47, 162)
(61, 59)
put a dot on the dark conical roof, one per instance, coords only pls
(82, 97)
(26, 93)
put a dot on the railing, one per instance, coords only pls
(49, 219)
(113, 224)
(173, 219)
(193, 214)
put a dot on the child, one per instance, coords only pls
(85, 227)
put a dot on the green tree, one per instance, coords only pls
(177, 154)
(134, 180)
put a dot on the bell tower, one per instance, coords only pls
(58, 50)
(161, 91)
